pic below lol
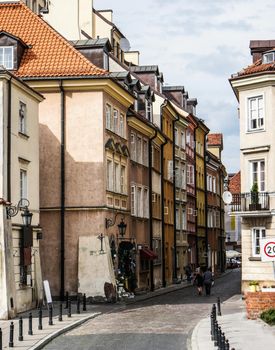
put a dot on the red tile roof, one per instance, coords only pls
(215, 139)
(258, 67)
(49, 54)
(235, 183)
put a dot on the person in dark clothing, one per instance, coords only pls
(198, 281)
(207, 281)
(188, 272)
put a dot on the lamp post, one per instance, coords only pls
(22, 205)
(122, 228)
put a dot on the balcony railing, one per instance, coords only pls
(250, 201)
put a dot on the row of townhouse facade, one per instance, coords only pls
(116, 167)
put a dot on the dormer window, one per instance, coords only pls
(6, 56)
(269, 57)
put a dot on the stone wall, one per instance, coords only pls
(257, 302)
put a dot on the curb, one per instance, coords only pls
(193, 345)
(50, 337)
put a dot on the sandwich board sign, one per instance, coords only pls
(47, 292)
(267, 247)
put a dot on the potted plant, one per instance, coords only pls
(255, 205)
(253, 286)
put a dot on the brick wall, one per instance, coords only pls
(257, 302)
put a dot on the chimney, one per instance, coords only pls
(258, 47)
(108, 14)
(132, 57)
(191, 105)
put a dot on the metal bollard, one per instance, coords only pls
(219, 337)
(219, 306)
(67, 300)
(1, 343)
(11, 335)
(60, 313)
(40, 319)
(20, 337)
(212, 328)
(69, 308)
(223, 342)
(211, 323)
(84, 303)
(50, 315)
(214, 310)
(227, 346)
(78, 305)
(30, 332)
(216, 333)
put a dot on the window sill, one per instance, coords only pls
(255, 131)
(114, 133)
(254, 258)
(24, 136)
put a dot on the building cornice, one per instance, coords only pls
(258, 149)
(140, 126)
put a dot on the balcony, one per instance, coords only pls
(251, 204)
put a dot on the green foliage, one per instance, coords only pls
(255, 193)
(255, 187)
(253, 283)
(268, 316)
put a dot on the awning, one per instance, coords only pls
(148, 254)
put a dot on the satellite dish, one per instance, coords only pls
(227, 197)
(124, 44)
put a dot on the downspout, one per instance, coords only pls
(151, 210)
(195, 183)
(205, 202)
(174, 200)
(62, 194)
(162, 201)
(221, 230)
(9, 144)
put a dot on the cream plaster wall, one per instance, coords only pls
(101, 28)
(69, 17)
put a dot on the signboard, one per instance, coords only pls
(47, 291)
(268, 249)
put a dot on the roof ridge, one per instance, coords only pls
(55, 32)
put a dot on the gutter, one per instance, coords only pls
(62, 193)
(205, 204)
(151, 210)
(9, 144)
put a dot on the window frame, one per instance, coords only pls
(22, 121)
(258, 174)
(249, 117)
(3, 56)
(23, 183)
(253, 240)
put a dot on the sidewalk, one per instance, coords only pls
(243, 334)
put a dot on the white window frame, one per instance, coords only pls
(105, 61)
(116, 177)
(145, 197)
(182, 139)
(122, 178)
(261, 184)
(3, 49)
(108, 116)
(22, 117)
(121, 125)
(177, 219)
(183, 219)
(139, 149)
(109, 175)
(176, 137)
(133, 200)
(23, 183)
(133, 146)
(115, 121)
(257, 118)
(145, 152)
(254, 245)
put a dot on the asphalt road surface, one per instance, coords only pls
(162, 323)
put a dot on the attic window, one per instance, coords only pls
(6, 56)
(269, 57)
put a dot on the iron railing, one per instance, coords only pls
(250, 201)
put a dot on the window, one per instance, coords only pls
(214, 184)
(190, 174)
(109, 175)
(115, 128)
(23, 184)
(255, 113)
(6, 56)
(139, 202)
(183, 219)
(117, 178)
(257, 234)
(258, 174)
(149, 108)
(133, 201)
(108, 117)
(105, 61)
(145, 152)
(139, 149)
(145, 203)
(121, 125)
(133, 146)
(176, 137)
(177, 219)
(182, 139)
(22, 118)
(269, 57)
(122, 179)
(188, 138)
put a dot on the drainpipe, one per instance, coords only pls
(175, 277)
(195, 183)
(9, 144)
(205, 200)
(221, 230)
(62, 194)
(162, 200)
(151, 210)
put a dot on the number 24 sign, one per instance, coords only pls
(268, 249)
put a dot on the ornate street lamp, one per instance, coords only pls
(22, 205)
(122, 228)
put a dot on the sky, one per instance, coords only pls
(198, 44)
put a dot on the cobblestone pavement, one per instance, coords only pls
(162, 323)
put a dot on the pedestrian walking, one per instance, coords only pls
(188, 272)
(198, 281)
(207, 280)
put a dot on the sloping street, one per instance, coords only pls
(162, 323)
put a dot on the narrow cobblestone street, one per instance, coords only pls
(161, 323)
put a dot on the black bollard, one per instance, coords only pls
(84, 303)
(67, 300)
(60, 312)
(212, 328)
(50, 315)
(216, 333)
(223, 342)
(1, 343)
(30, 332)
(219, 337)
(219, 306)
(214, 310)
(40, 319)
(11, 335)
(227, 346)
(20, 337)
(78, 305)
(69, 308)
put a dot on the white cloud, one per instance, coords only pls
(198, 44)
